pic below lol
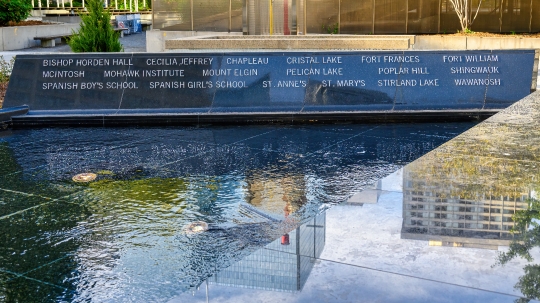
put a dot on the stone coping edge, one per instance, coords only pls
(299, 43)
(140, 118)
(7, 113)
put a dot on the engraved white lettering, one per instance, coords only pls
(303, 71)
(216, 72)
(419, 71)
(163, 73)
(170, 84)
(245, 72)
(401, 59)
(302, 60)
(477, 82)
(231, 84)
(122, 61)
(333, 71)
(57, 62)
(482, 58)
(429, 82)
(452, 59)
(292, 83)
(162, 61)
(194, 61)
(351, 83)
(475, 70)
(371, 59)
(91, 85)
(63, 74)
(331, 60)
(121, 73)
(393, 70)
(250, 61)
(60, 85)
(121, 85)
(92, 62)
(412, 82)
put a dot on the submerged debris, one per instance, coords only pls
(84, 177)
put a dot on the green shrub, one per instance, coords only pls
(14, 10)
(5, 68)
(96, 33)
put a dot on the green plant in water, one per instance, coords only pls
(5, 68)
(96, 33)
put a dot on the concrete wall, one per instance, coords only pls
(61, 18)
(77, 19)
(155, 39)
(300, 43)
(20, 37)
(474, 43)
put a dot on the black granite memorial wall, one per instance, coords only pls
(273, 82)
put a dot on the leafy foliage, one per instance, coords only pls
(5, 68)
(529, 283)
(331, 29)
(14, 10)
(5, 72)
(527, 231)
(96, 33)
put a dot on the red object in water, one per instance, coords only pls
(285, 239)
(286, 30)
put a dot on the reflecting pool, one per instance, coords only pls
(173, 210)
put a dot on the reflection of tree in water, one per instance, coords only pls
(527, 232)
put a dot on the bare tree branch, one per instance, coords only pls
(464, 13)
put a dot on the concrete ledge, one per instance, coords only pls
(155, 39)
(299, 43)
(7, 113)
(160, 41)
(330, 37)
(20, 37)
(140, 118)
(440, 42)
(474, 43)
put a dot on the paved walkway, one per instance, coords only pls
(132, 44)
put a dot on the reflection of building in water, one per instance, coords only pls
(277, 195)
(441, 213)
(279, 266)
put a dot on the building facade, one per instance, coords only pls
(297, 17)
(283, 265)
(438, 207)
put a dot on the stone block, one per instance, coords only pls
(300, 42)
(21, 37)
(440, 42)
(273, 81)
(48, 43)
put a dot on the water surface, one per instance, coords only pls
(123, 238)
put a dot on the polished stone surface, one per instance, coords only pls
(272, 82)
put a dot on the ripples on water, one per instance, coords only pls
(122, 237)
